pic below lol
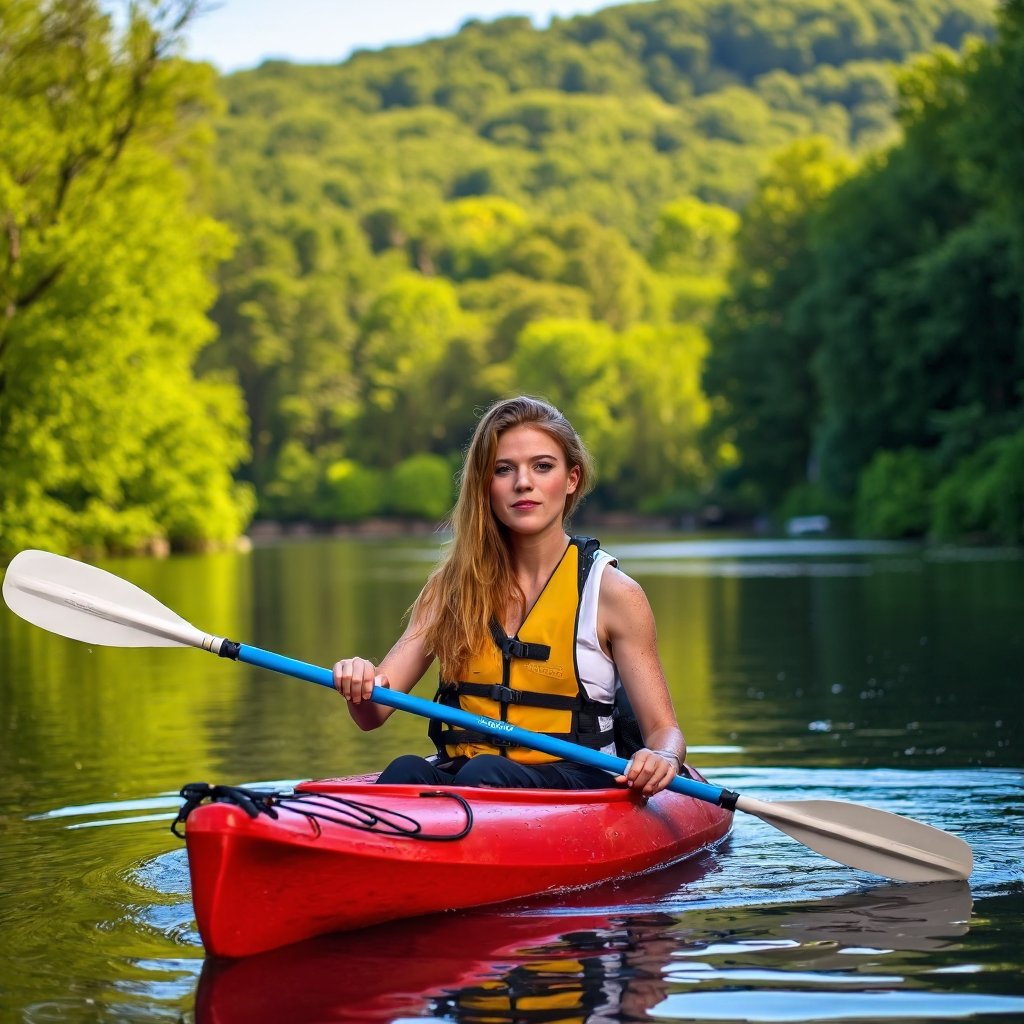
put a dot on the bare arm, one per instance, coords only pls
(402, 668)
(626, 624)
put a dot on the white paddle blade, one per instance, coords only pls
(862, 837)
(79, 601)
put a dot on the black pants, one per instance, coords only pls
(493, 770)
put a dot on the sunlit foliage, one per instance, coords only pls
(901, 337)
(425, 228)
(108, 440)
(766, 254)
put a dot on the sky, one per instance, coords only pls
(236, 34)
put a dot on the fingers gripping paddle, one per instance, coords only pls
(84, 603)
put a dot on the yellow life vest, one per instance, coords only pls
(530, 679)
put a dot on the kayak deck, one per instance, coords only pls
(345, 853)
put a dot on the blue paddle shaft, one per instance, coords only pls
(479, 723)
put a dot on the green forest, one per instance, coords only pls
(768, 256)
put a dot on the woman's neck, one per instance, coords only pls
(534, 558)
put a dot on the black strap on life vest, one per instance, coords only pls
(587, 712)
(513, 647)
(589, 547)
(525, 698)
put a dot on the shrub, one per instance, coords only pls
(292, 492)
(421, 486)
(984, 494)
(350, 492)
(893, 495)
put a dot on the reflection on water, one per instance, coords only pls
(597, 965)
(885, 676)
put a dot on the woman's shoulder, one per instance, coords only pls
(618, 587)
(625, 612)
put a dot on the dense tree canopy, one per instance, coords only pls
(767, 255)
(906, 320)
(425, 228)
(107, 439)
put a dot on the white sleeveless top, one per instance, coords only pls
(598, 673)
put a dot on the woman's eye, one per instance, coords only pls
(502, 470)
(545, 466)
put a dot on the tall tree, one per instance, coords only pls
(920, 303)
(763, 341)
(107, 438)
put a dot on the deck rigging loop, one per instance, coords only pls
(320, 807)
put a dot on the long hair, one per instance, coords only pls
(474, 581)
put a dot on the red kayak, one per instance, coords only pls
(337, 854)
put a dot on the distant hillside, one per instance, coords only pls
(423, 228)
(610, 114)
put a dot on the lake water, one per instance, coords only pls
(881, 674)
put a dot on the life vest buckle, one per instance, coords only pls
(505, 694)
(513, 648)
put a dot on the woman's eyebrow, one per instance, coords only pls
(539, 455)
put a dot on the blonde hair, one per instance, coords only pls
(474, 581)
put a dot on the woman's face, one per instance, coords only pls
(531, 480)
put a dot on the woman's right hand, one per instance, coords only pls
(354, 679)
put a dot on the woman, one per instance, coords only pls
(528, 624)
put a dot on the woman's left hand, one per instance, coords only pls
(650, 771)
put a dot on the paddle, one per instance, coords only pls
(89, 604)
